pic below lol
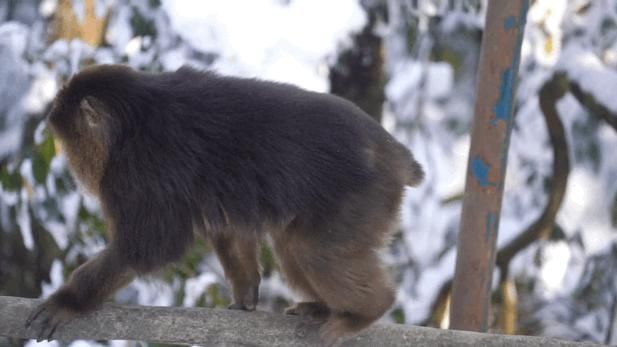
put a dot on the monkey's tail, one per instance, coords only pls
(415, 172)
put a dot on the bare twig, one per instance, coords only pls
(591, 104)
(550, 93)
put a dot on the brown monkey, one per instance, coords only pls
(232, 158)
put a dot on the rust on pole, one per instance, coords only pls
(486, 170)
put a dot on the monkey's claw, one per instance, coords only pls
(46, 318)
(34, 314)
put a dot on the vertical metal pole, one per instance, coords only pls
(490, 138)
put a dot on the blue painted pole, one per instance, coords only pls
(488, 154)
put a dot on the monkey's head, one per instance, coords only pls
(83, 118)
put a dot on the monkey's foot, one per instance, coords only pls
(334, 332)
(317, 311)
(240, 306)
(248, 301)
(312, 314)
(49, 315)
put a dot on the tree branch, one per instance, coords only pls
(214, 327)
(550, 93)
(591, 104)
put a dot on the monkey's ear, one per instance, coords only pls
(89, 108)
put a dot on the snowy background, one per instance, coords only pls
(425, 53)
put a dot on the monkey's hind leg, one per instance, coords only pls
(238, 254)
(87, 288)
(358, 293)
(313, 309)
(349, 279)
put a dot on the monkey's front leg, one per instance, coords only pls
(87, 287)
(238, 254)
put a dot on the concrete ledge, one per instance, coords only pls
(219, 327)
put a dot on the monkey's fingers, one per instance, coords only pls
(240, 306)
(54, 319)
(44, 319)
(235, 306)
(292, 311)
(51, 329)
(312, 310)
(35, 314)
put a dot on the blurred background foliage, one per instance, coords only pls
(409, 63)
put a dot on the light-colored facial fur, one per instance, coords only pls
(87, 153)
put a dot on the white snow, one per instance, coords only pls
(196, 286)
(589, 72)
(48, 7)
(267, 39)
(56, 277)
(555, 259)
(42, 91)
(13, 84)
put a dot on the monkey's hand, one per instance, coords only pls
(246, 296)
(49, 316)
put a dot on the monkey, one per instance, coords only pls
(177, 154)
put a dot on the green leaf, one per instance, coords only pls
(11, 181)
(398, 316)
(217, 299)
(94, 224)
(142, 26)
(41, 158)
(39, 167)
(268, 261)
(48, 148)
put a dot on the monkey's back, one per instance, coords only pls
(246, 152)
(261, 151)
